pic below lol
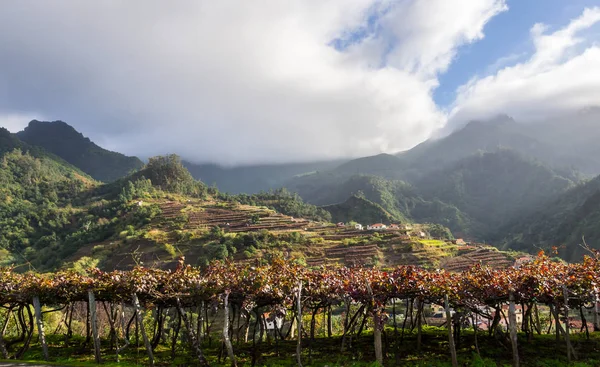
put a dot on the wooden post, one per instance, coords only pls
(2, 331)
(329, 322)
(377, 336)
(226, 338)
(190, 330)
(140, 319)
(512, 324)
(94, 325)
(123, 327)
(299, 316)
(450, 334)
(596, 324)
(570, 350)
(40, 325)
(377, 325)
(420, 305)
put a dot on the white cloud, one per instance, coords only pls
(237, 81)
(561, 75)
(14, 122)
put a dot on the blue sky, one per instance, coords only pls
(506, 35)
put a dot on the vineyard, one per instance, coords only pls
(174, 307)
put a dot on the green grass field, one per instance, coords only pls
(542, 351)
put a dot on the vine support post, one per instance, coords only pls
(124, 329)
(190, 331)
(329, 322)
(512, 324)
(450, 333)
(226, 338)
(140, 319)
(420, 305)
(596, 310)
(94, 325)
(299, 318)
(377, 326)
(2, 331)
(40, 325)
(570, 350)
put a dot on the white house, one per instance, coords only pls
(272, 321)
(358, 227)
(377, 226)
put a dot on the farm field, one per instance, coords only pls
(203, 230)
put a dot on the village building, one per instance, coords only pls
(358, 227)
(271, 322)
(376, 227)
(523, 260)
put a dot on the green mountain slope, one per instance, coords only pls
(394, 196)
(472, 197)
(63, 140)
(38, 199)
(361, 210)
(493, 188)
(562, 222)
(254, 178)
(382, 165)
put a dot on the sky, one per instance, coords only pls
(267, 81)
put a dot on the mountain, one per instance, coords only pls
(574, 137)
(382, 165)
(254, 178)
(494, 188)
(562, 142)
(396, 200)
(562, 222)
(476, 136)
(38, 199)
(9, 142)
(64, 141)
(472, 196)
(361, 210)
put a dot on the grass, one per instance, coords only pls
(542, 351)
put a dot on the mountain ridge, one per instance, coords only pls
(63, 140)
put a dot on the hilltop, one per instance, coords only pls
(64, 141)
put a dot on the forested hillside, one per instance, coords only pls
(495, 181)
(39, 200)
(63, 140)
(361, 210)
(494, 188)
(562, 222)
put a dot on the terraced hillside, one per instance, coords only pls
(473, 255)
(207, 229)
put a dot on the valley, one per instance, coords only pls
(493, 196)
